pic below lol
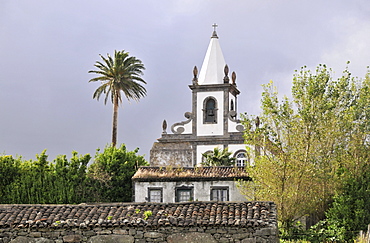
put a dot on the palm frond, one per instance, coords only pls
(121, 73)
(101, 89)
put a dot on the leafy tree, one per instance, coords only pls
(9, 171)
(111, 174)
(40, 181)
(34, 185)
(350, 211)
(120, 74)
(300, 146)
(108, 179)
(70, 178)
(218, 157)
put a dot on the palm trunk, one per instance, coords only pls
(115, 118)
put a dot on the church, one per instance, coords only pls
(213, 121)
(176, 173)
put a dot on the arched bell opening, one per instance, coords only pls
(210, 111)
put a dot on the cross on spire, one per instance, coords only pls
(214, 26)
(214, 35)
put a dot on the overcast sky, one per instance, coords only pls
(48, 47)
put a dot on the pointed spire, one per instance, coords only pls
(212, 71)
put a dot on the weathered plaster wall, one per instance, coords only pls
(171, 154)
(201, 190)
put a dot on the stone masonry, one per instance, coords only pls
(248, 222)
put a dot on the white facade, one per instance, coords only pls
(200, 190)
(168, 185)
(210, 129)
(188, 128)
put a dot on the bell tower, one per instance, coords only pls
(214, 95)
(213, 120)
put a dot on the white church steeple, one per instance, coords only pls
(212, 121)
(212, 71)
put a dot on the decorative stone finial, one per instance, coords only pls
(226, 71)
(233, 77)
(195, 73)
(164, 127)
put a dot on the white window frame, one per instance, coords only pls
(241, 161)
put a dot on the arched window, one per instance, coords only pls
(241, 158)
(210, 110)
(232, 105)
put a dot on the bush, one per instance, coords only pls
(65, 181)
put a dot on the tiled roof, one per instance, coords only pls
(190, 173)
(240, 214)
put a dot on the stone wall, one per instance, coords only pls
(173, 154)
(204, 234)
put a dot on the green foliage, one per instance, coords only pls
(65, 181)
(111, 173)
(293, 241)
(324, 232)
(301, 146)
(121, 73)
(9, 171)
(71, 177)
(40, 181)
(350, 211)
(147, 214)
(218, 157)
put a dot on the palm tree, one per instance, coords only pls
(120, 74)
(218, 157)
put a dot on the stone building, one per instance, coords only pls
(213, 121)
(176, 173)
(184, 184)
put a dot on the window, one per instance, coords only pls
(155, 194)
(184, 194)
(220, 194)
(241, 159)
(232, 105)
(210, 110)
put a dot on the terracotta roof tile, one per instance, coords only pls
(146, 173)
(132, 214)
